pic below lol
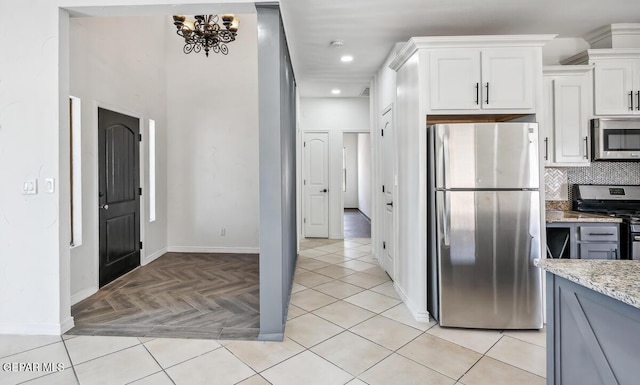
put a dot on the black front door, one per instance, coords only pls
(118, 195)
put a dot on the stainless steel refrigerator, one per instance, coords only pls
(484, 225)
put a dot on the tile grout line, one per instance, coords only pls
(73, 367)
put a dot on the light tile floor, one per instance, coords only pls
(346, 325)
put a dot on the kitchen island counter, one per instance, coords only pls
(593, 321)
(619, 279)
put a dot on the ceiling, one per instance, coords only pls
(369, 29)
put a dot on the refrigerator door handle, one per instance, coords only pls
(443, 213)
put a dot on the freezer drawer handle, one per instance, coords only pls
(602, 234)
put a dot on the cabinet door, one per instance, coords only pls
(546, 123)
(454, 79)
(614, 87)
(508, 78)
(598, 251)
(571, 112)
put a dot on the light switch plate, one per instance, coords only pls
(30, 187)
(50, 185)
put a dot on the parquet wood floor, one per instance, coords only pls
(181, 295)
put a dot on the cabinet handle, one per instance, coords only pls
(631, 101)
(487, 87)
(586, 147)
(478, 94)
(546, 148)
(638, 96)
(615, 253)
(602, 234)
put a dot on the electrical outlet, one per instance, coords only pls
(223, 232)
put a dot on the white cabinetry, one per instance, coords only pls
(617, 87)
(482, 79)
(616, 79)
(565, 122)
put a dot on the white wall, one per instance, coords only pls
(364, 174)
(350, 144)
(559, 49)
(212, 110)
(112, 68)
(335, 116)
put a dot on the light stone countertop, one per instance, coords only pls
(556, 216)
(619, 279)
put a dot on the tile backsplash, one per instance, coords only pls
(559, 181)
(556, 184)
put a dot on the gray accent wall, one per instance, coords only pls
(277, 133)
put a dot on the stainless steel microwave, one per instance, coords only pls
(615, 139)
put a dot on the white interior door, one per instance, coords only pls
(316, 185)
(388, 180)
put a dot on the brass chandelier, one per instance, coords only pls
(205, 32)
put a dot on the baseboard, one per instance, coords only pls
(152, 257)
(365, 215)
(278, 337)
(200, 249)
(83, 294)
(420, 316)
(45, 329)
(67, 325)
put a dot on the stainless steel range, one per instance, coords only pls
(617, 201)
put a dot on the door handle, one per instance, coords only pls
(487, 101)
(324, 191)
(638, 96)
(586, 147)
(546, 148)
(390, 204)
(106, 207)
(631, 101)
(477, 93)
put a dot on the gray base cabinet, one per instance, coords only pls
(583, 240)
(592, 339)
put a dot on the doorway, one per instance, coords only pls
(356, 185)
(118, 194)
(316, 184)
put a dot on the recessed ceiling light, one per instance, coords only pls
(335, 91)
(346, 59)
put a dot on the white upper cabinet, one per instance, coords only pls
(482, 79)
(616, 79)
(617, 87)
(567, 114)
(454, 79)
(508, 78)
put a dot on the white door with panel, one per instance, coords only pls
(316, 185)
(388, 183)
